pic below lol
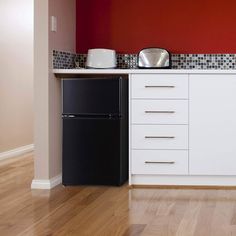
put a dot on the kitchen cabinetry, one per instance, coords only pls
(182, 126)
(183, 129)
(212, 125)
(159, 86)
(159, 124)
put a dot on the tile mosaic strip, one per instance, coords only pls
(124, 61)
(80, 60)
(204, 61)
(65, 60)
(127, 61)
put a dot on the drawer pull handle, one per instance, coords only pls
(147, 137)
(159, 86)
(160, 112)
(159, 162)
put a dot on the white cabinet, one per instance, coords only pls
(159, 111)
(212, 124)
(160, 137)
(160, 162)
(158, 125)
(160, 86)
(183, 129)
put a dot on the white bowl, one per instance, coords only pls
(101, 58)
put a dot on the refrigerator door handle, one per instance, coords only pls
(68, 116)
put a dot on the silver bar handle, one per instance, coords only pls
(160, 162)
(167, 137)
(160, 112)
(159, 86)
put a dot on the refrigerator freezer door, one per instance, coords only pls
(92, 96)
(92, 152)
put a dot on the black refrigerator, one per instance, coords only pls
(95, 131)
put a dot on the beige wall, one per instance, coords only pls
(47, 87)
(65, 40)
(16, 79)
(41, 89)
(65, 37)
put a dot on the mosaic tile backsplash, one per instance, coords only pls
(63, 60)
(67, 60)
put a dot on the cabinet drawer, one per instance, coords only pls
(159, 136)
(159, 162)
(160, 111)
(160, 86)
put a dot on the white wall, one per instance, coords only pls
(16, 78)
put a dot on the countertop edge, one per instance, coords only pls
(141, 71)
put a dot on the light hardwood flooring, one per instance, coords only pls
(109, 211)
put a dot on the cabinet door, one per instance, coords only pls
(212, 120)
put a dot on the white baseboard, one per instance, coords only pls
(16, 152)
(46, 183)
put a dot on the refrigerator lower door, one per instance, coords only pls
(93, 153)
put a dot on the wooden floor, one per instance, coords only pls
(109, 211)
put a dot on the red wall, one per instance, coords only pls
(182, 26)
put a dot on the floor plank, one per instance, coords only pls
(109, 211)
